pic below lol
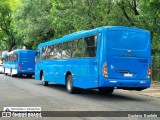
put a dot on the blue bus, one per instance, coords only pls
(105, 58)
(19, 62)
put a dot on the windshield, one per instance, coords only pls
(128, 40)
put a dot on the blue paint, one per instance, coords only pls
(23, 63)
(125, 50)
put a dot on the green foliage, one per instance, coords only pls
(30, 22)
(69, 16)
(33, 24)
(6, 30)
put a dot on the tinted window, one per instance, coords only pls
(57, 51)
(37, 56)
(15, 57)
(77, 48)
(48, 51)
(90, 46)
(66, 52)
(51, 52)
(44, 53)
(83, 47)
(128, 40)
(11, 57)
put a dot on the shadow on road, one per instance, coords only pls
(94, 94)
(23, 77)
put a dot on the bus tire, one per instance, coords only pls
(106, 90)
(29, 75)
(19, 75)
(44, 83)
(69, 85)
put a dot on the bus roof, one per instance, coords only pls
(83, 33)
(18, 50)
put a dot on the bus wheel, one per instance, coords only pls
(19, 75)
(29, 76)
(45, 83)
(70, 88)
(106, 90)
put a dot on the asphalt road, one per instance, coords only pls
(26, 92)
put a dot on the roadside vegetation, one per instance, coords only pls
(30, 22)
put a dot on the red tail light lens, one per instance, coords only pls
(105, 70)
(149, 72)
(19, 67)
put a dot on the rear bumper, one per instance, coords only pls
(124, 84)
(25, 72)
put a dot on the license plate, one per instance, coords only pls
(29, 69)
(128, 75)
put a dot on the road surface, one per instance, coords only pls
(26, 92)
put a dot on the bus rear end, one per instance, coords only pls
(127, 61)
(27, 62)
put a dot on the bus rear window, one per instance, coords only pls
(128, 40)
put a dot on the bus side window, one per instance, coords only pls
(6, 58)
(66, 52)
(90, 45)
(55, 51)
(13, 58)
(37, 56)
(51, 54)
(48, 51)
(43, 53)
(58, 51)
(9, 58)
(77, 48)
(16, 55)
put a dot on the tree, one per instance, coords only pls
(6, 30)
(69, 16)
(33, 24)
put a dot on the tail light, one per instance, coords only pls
(105, 70)
(149, 72)
(19, 67)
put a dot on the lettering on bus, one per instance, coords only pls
(83, 47)
(142, 60)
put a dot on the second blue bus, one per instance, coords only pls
(19, 62)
